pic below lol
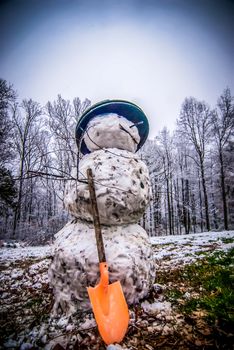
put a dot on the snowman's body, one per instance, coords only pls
(122, 191)
(121, 183)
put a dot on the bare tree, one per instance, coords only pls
(150, 154)
(63, 117)
(25, 135)
(166, 146)
(183, 161)
(7, 97)
(8, 190)
(195, 124)
(223, 127)
(79, 107)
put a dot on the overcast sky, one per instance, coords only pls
(154, 53)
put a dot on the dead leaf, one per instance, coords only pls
(199, 313)
(198, 342)
(205, 331)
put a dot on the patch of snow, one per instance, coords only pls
(70, 327)
(26, 346)
(201, 238)
(88, 323)
(13, 254)
(11, 344)
(37, 285)
(174, 251)
(62, 322)
(227, 246)
(157, 307)
(39, 266)
(17, 273)
(187, 295)
(115, 347)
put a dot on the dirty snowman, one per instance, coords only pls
(108, 136)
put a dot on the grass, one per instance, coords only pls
(212, 280)
(174, 294)
(201, 252)
(215, 275)
(227, 240)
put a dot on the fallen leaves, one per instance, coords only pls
(26, 309)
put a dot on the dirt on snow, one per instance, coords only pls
(188, 308)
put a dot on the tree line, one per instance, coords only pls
(38, 153)
(191, 169)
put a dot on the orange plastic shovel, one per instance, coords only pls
(108, 302)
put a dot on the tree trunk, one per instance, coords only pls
(193, 203)
(185, 222)
(201, 211)
(187, 205)
(224, 199)
(177, 206)
(172, 207)
(157, 208)
(205, 197)
(169, 207)
(17, 215)
(30, 211)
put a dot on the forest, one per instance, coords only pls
(191, 168)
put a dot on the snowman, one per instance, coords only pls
(108, 136)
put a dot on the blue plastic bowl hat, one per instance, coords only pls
(123, 108)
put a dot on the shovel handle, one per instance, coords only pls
(96, 220)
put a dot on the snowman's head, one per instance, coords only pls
(112, 124)
(111, 131)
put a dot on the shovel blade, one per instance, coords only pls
(110, 310)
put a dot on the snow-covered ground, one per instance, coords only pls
(8, 255)
(173, 251)
(198, 238)
(26, 298)
(185, 247)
